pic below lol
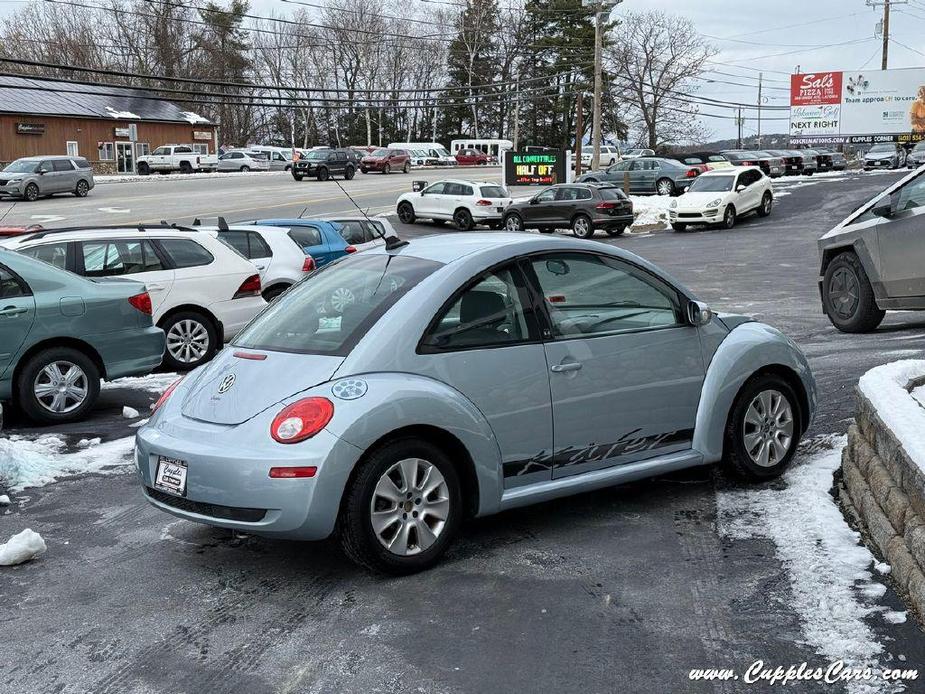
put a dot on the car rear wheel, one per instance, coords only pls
(406, 213)
(323, 174)
(406, 168)
(767, 201)
(297, 176)
(514, 222)
(191, 340)
(729, 217)
(664, 186)
(31, 193)
(763, 430)
(402, 509)
(58, 385)
(386, 169)
(848, 296)
(462, 218)
(186, 167)
(245, 169)
(272, 292)
(582, 227)
(82, 189)
(143, 169)
(364, 170)
(349, 173)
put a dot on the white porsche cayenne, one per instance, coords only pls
(721, 197)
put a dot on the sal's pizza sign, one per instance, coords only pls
(815, 89)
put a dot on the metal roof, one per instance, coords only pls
(42, 97)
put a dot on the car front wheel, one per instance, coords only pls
(406, 213)
(766, 203)
(31, 193)
(729, 217)
(848, 296)
(514, 222)
(403, 508)
(58, 385)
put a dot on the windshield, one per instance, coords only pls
(329, 311)
(382, 152)
(22, 167)
(442, 152)
(882, 148)
(711, 184)
(317, 154)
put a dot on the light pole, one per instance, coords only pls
(602, 8)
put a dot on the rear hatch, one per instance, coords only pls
(233, 389)
(493, 197)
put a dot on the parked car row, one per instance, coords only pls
(646, 175)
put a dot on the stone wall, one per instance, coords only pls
(886, 490)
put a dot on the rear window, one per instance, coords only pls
(82, 163)
(305, 236)
(716, 157)
(612, 194)
(338, 304)
(186, 253)
(493, 192)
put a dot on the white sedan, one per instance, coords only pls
(721, 197)
(465, 203)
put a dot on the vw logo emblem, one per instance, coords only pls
(226, 384)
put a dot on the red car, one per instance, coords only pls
(16, 231)
(386, 160)
(471, 157)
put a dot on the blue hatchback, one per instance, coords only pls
(318, 238)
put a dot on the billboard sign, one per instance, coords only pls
(534, 168)
(876, 106)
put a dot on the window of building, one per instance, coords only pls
(201, 148)
(142, 149)
(107, 151)
(72, 149)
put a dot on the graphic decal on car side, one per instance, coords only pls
(627, 444)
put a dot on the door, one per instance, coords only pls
(431, 201)
(135, 259)
(541, 210)
(65, 175)
(489, 328)
(625, 369)
(125, 157)
(902, 241)
(749, 198)
(567, 201)
(17, 313)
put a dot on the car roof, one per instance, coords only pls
(94, 232)
(48, 156)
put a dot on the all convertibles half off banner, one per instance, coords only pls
(534, 168)
(875, 106)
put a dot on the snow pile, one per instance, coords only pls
(193, 118)
(22, 548)
(121, 115)
(153, 383)
(5, 500)
(33, 462)
(651, 210)
(885, 388)
(129, 412)
(829, 570)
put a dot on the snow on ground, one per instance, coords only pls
(153, 383)
(919, 395)
(834, 590)
(651, 210)
(21, 548)
(36, 461)
(885, 388)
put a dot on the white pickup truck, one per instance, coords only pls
(182, 158)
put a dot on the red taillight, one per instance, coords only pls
(250, 355)
(282, 473)
(301, 420)
(350, 249)
(606, 205)
(309, 264)
(692, 173)
(142, 302)
(483, 203)
(166, 394)
(249, 287)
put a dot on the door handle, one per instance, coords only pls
(12, 311)
(568, 366)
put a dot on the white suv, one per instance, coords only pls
(202, 291)
(465, 203)
(610, 155)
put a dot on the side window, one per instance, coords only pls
(464, 190)
(186, 253)
(376, 230)
(587, 296)
(51, 253)
(547, 195)
(341, 156)
(305, 236)
(436, 189)
(583, 194)
(10, 288)
(489, 312)
(352, 231)
(152, 262)
(911, 195)
(237, 240)
(63, 165)
(183, 150)
(566, 194)
(258, 247)
(101, 259)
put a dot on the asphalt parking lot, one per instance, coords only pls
(604, 592)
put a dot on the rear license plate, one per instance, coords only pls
(171, 475)
(500, 209)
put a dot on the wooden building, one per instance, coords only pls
(109, 126)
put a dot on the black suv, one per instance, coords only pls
(582, 207)
(324, 163)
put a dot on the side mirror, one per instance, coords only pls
(698, 313)
(41, 171)
(884, 211)
(740, 188)
(534, 201)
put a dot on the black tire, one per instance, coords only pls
(297, 176)
(615, 231)
(848, 296)
(582, 226)
(386, 169)
(186, 167)
(767, 201)
(244, 169)
(462, 218)
(513, 222)
(406, 212)
(81, 189)
(811, 172)
(736, 457)
(272, 292)
(665, 184)
(349, 173)
(357, 537)
(406, 168)
(143, 169)
(174, 364)
(287, 168)
(362, 170)
(323, 174)
(677, 226)
(25, 394)
(729, 217)
(31, 193)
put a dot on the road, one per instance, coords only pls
(622, 590)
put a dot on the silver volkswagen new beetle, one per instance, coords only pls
(397, 391)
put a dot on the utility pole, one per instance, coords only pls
(601, 8)
(579, 133)
(886, 4)
(517, 115)
(739, 122)
(760, 76)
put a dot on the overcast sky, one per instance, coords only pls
(773, 36)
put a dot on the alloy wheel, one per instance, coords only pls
(844, 292)
(768, 428)
(409, 507)
(187, 341)
(82, 189)
(582, 227)
(61, 387)
(513, 223)
(766, 204)
(665, 187)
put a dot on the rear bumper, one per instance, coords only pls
(130, 352)
(236, 313)
(620, 221)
